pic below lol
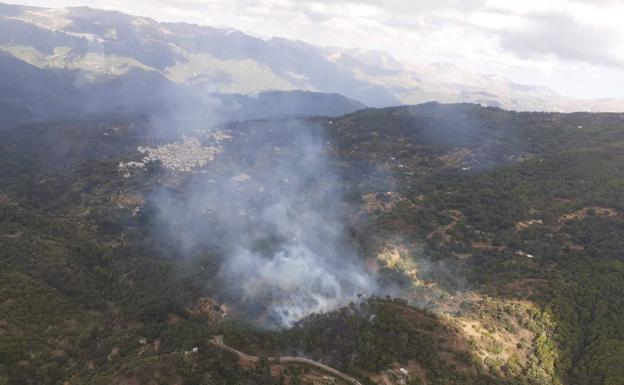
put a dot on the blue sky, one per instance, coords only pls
(575, 47)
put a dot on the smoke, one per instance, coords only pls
(272, 205)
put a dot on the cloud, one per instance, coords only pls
(563, 37)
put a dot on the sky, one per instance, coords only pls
(575, 47)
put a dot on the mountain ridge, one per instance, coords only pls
(98, 43)
(36, 94)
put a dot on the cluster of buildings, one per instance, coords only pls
(126, 166)
(181, 156)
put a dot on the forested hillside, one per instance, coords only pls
(500, 234)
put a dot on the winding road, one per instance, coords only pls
(218, 341)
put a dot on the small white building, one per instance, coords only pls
(522, 253)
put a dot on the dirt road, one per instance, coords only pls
(218, 340)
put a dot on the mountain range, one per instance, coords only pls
(83, 59)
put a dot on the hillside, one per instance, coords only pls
(32, 93)
(40, 94)
(99, 46)
(496, 236)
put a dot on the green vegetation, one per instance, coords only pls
(569, 194)
(522, 210)
(371, 337)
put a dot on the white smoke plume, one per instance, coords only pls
(272, 204)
